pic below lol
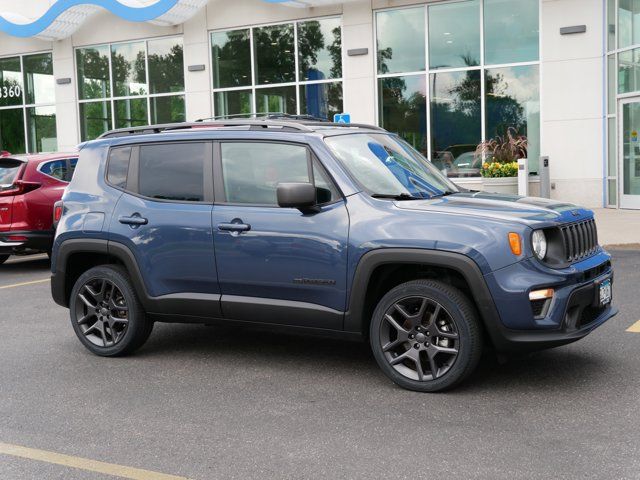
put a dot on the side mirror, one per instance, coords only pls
(296, 195)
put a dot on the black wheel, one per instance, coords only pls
(4, 258)
(425, 336)
(106, 313)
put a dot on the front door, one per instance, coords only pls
(278, 265)
(629, 165)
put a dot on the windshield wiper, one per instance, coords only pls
(444, 194)
(396, 196)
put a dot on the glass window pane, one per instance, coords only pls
(168, 109)
(233, 103)
(131, 112)
(320, 49)
(612, 147)
(403, 109)
(628, 22)
(38, 79)
(456, 122)
(276, 100)
(12, 130)
(326, 191)
(629, 71)
(231, 58)
(400, 38)
(251, 171)
(173, 171)
(10, 82)
(129, 70)
(93, 72)
(118, 167)
(611, 84)
(41, 129)
(95, 119)
(513, 101)
(611, 25)
(454, 34)
(321, 100)
(166, 65)
(56, 169)
(275, 56)
(511, 31)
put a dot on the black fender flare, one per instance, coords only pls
(354, 317)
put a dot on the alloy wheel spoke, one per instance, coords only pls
(393, 344)
(84, 319)
(86, 301)
(419, 370)
(408, 355)
(400, 329)
(446, 350)
(433, 366)
(435, 314)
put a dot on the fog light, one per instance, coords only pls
(541, 294)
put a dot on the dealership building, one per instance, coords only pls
(445, 75)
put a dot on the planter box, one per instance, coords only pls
(500, 185)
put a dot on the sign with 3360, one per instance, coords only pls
(10, 92)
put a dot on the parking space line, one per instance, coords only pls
(635, 328)
(23, 284)
(84, 463)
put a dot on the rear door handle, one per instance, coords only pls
(134, 220)
(234, 227)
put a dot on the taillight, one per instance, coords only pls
(58, 210)
(20, 187)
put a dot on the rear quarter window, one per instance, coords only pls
(118, 166)
(8, 171)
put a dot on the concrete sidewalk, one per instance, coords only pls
(618, 227)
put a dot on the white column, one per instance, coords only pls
(196, 52)
(66, 102)
(359, 71)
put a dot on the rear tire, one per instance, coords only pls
(425, 336)
(106, 313)
(4, 258)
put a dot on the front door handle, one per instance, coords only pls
(234, 227)
(133, 220)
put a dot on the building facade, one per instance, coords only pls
(446, 75)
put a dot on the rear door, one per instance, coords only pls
(164, 218)
(10, 171)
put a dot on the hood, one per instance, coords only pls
(526, 210)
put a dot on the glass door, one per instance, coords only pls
(629, 142)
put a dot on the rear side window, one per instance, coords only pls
(118, 166)
(72, 168)
(56, 169)
(8, 171)
(251, 171)
(172, 171)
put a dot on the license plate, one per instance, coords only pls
(604, 293)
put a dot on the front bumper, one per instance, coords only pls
(571, 314)
(30, 241)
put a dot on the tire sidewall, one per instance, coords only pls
(136, 320)
(467, 333)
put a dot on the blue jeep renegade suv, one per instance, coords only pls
(340, 230)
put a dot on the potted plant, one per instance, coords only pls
(500, 166)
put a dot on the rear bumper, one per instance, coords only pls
(30, 241)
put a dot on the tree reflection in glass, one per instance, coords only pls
(320, 49)
(274, 54)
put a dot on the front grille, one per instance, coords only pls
(579, 239)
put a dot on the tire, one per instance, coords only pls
(409, 344)
(101, 300)
(4, 258)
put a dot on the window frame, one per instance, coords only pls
(133, 173)
(297, 83)
(220, 194)
(24, 106)
(112, 98)
(428, 71)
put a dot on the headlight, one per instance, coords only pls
(539, 241)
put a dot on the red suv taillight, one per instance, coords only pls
(58, 210)
(19, 187)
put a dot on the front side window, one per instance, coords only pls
(386, 166)
(172, 171)
(252, 171)
(272, 84)
(130, 84)
(27, 100)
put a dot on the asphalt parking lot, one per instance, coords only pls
(206, 403)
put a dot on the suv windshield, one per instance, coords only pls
(8, 170)
(387, 166)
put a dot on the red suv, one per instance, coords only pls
(29, 186)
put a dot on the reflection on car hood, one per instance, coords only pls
(528, 210)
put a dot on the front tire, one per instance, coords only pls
(106, 314)
(425, 336)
